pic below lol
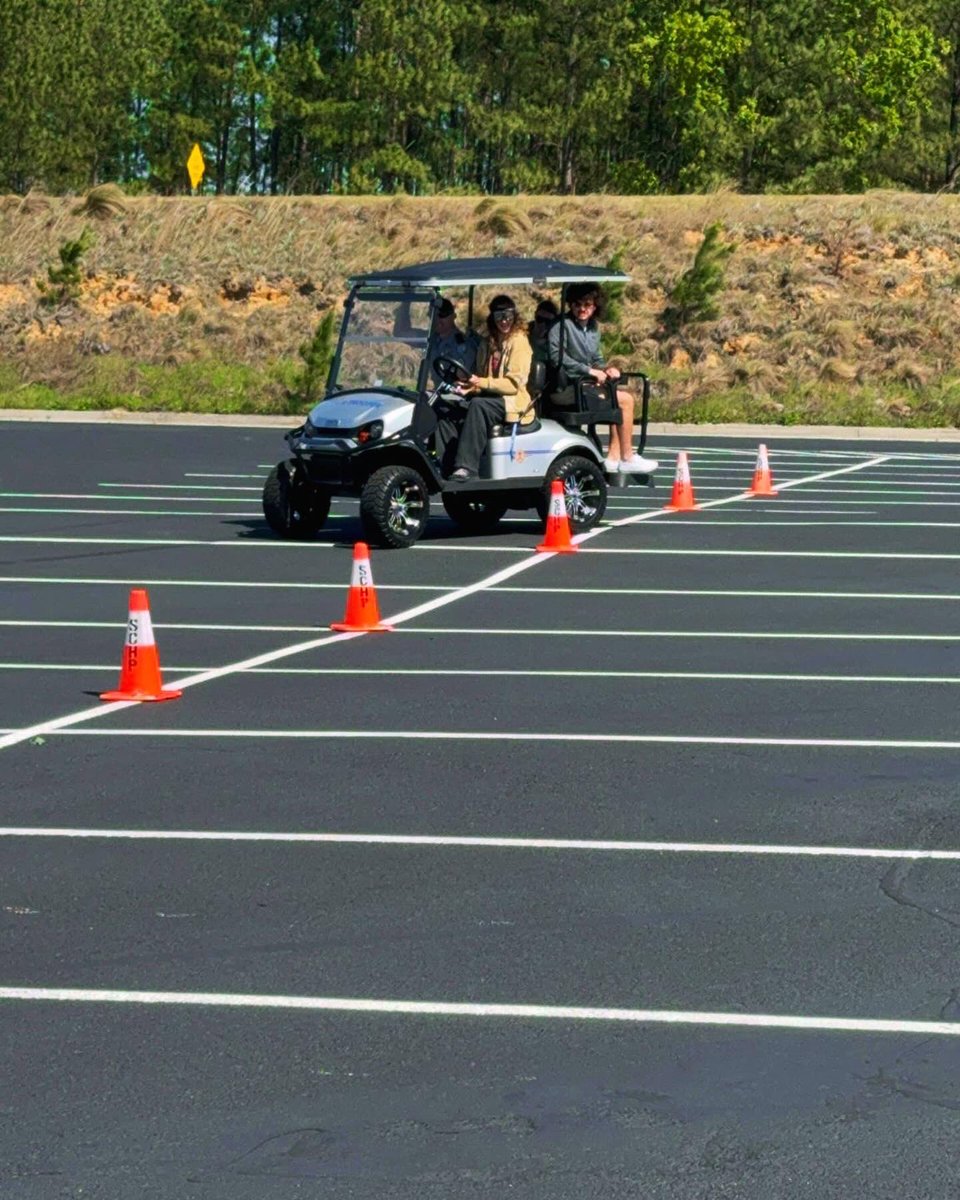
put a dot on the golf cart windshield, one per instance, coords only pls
(383, 342)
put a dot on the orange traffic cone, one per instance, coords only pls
(682, 498)
(557, 539)
(363, 612)
(140, 668)
(762, 479)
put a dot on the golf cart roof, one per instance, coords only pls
(469, 272)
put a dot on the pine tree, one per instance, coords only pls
(317, 355)
(62, 285)
(694, 296)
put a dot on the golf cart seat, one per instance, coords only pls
(506, 428)
(588, 407)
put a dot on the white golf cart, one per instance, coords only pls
(373, 436)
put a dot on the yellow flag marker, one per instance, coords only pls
(195, 165)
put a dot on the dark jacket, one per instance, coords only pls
(581, 349)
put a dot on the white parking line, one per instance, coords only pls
(592, 845)
(741, 634)
(446, 547)
(749, 553)
(539, 1012)
(865, 490)
(469, 630)
(691, 522)
(466, 673)
(160, 581)
(248, 544)
(63, 729)
(837, 503)
(731, 593)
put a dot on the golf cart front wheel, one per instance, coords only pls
(294, 508)
(394, 507)
(584, 489)
(473, 515)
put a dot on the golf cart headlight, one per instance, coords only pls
(370, 432)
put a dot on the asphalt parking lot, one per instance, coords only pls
(629, 873)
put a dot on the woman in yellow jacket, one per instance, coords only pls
(499, 387)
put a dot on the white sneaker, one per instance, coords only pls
(636, 464)
(611, 465)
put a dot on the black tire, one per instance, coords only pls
(394, 507)
(294, 508)
(585, 491)
(475, 515)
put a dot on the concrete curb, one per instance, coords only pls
(767, 433)
(119, 416)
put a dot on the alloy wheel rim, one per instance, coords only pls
(582, 494)
(405, 510)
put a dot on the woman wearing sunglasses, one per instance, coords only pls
(498, 389)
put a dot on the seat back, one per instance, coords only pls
(537, 379)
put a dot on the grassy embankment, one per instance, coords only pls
(835, 309)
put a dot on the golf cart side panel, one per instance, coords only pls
(529, 454)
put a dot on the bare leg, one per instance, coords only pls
(626, 402)
(613, 450)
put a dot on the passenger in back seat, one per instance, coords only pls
(580, 359)
(538, 330)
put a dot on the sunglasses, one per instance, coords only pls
(504, 314)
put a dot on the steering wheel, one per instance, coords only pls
(449, 370)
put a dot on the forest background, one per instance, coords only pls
(659, 117)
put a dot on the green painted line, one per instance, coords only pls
(101, 497)
(185, 487)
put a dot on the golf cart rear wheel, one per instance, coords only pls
(473, 515)
(394, 507)
(585, 491)
(294, 508)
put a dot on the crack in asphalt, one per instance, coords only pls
(893, 884)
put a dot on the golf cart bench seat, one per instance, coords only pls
(572, 418)
(587, 409)
(505, 429)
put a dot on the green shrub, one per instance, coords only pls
(317, 355)
(62, 285)
(694, 296)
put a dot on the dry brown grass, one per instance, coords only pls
(847, 292)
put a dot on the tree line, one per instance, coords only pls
(367, 96)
